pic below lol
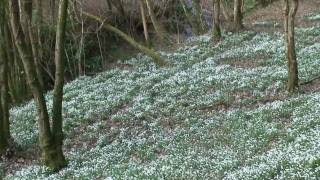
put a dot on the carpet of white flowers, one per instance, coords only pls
(201, 117)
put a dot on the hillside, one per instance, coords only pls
(220, 111)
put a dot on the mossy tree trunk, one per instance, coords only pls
(237, 19)
(4, 92)
(4, 109)
(290, 39)
(57, 120)
(216, 20)
(3, 140)
(48, 147)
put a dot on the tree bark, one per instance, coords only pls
(144, 22)
(4, 110)
(225, 11)
(3, 140)
(286, 17)
(216, 20)
(109, 5)
(237, 21)
(32, 34)
(59, 82)
(49, 151)
(4, 93)
(53, 10)
(293, 80)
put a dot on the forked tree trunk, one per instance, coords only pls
(291, 52)
(49, 150)
(216, 20)
(237, 21)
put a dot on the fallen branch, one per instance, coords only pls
(310, 81)
(156, 56)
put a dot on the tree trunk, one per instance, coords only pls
(109, 5)
(59, 82)
(4, 110)
(237, 21)
(17, 84)
(225, 11)
(33, 37)
(144, 22)
(119, 7)
(195, 28)
(53, 10)
(196, 4)
(291, 52)
(216, 20)
(4, 91)
(286, 17)
(156, 57)
(3, 139)
(157, 26)
(49, 153)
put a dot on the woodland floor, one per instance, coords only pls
(219, 111)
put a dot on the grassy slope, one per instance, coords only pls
(199, 118)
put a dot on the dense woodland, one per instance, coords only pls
(159, 89)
